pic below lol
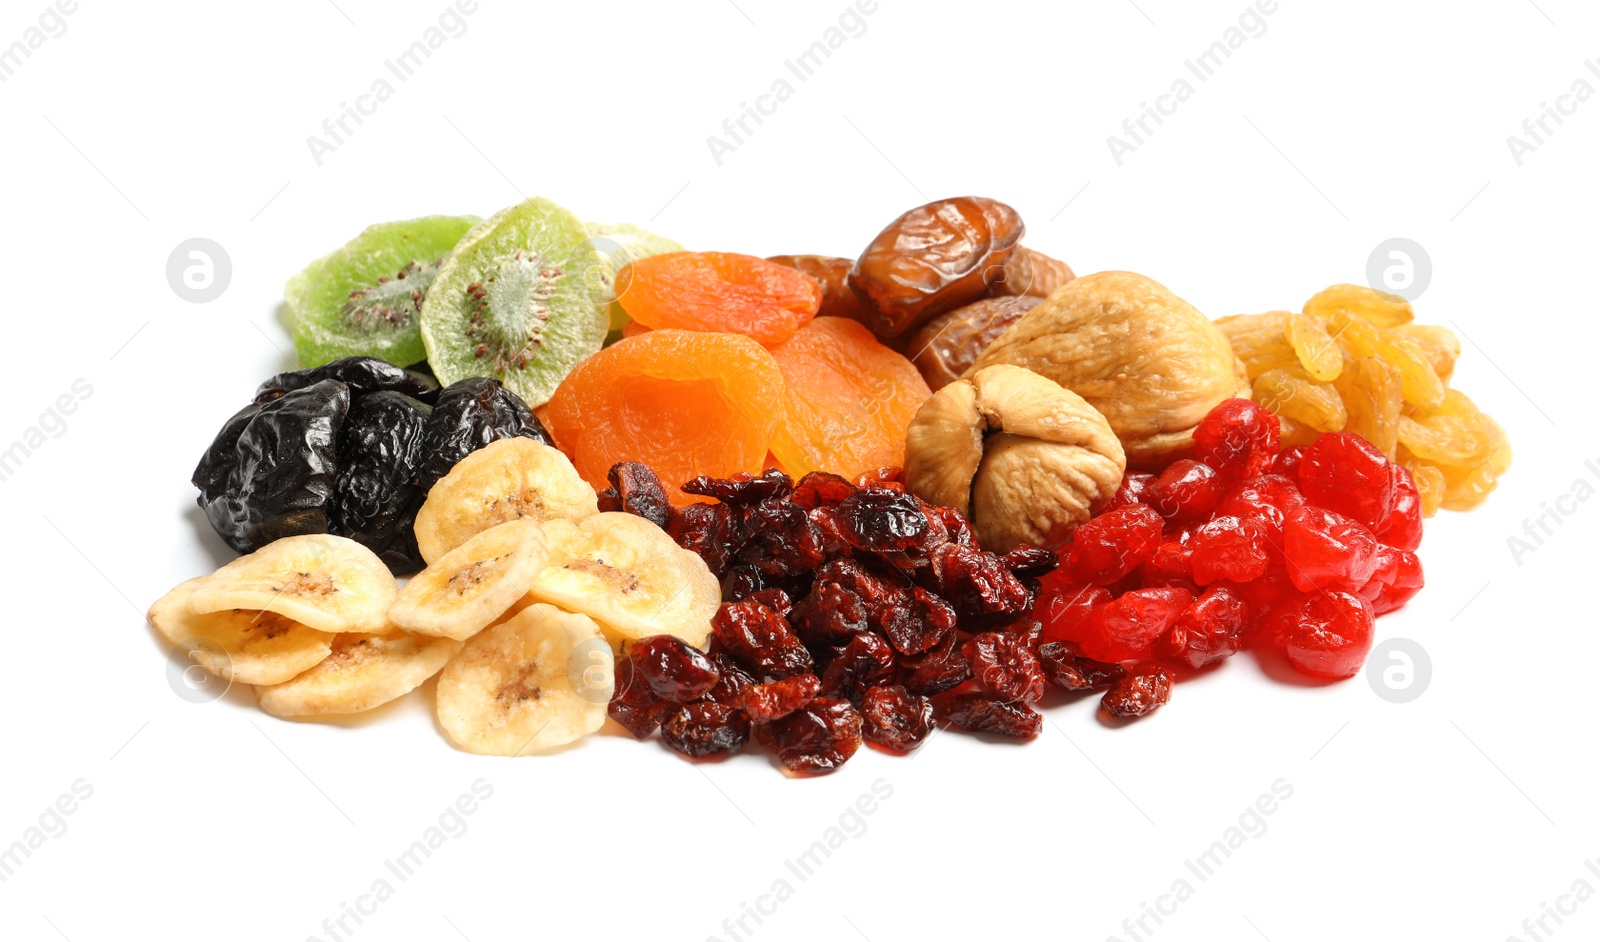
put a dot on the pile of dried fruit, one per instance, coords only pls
(1090, 501)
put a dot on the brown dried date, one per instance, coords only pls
(1032, 274)
(946, 346)
(832, 273)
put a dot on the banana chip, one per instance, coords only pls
(250, 647)
(363, 671)
(322, 581)
(471, 586)
(505, 480)
(627, 574)
(539, 680)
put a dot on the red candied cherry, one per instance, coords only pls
(1287, 461)
(1261, 597)
(1126, 628)
(1238, 438)
(1267, 498)
(1064, 609)
(1134, 489)
(1402, 529)
(1172, 564)
(1343, 471)
(1113, 544)
(1209, 630)
(1325, 634)
(1187, 490)
(1232, 548)
(1327, 550)
(1397, 579)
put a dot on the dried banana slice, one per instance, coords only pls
(322, 581)
(474, 584)
(505, 480)
(539, 680)
(250, 647)
(627, 574)
(362, 672)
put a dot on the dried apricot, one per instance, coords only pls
(683, 402)
(718, 291)
(849, 400)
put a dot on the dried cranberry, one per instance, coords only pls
(1126, 628)
(1344, 472)
(893, 479)
(1141, 692)
(821, 489)
(1402, 528)
(1325, 634)
(1326, 550)
(760, 640)
(1397, 579)
(829, 615)
(1066, 667)
(817, 738)
(977, 582)
(865, 661)
(705, 728)
(940, 669)
(780, 540)
(676, 672)
(895, 718)
(1065, 611)
(1113, 544)
(633, 705)
(744, 488)
(1186, 490)
(1209, 630)
(711, 530)
(1230, 548)
(1026, 561)
(1237, 438)
(775, 599)
(877, 518)
(1002, 663)
(984, 713)
(636, 489)
(764, 703)
(958, 529)
(732, 680)
(1134, 489)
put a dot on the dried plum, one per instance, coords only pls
(375, 497)
(469, 415)
(362, 374)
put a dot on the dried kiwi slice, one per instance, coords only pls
(618, 244)
(365, 298)
(522, 299)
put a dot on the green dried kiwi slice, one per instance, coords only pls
(522, 299)
(365, 299)
(617, 244)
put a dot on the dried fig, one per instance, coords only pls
(1141, 355)
(1022, 457)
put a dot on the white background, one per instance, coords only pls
(1455, 816)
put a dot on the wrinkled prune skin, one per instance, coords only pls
(276, 478)
(362, 374)
(636, 489)
(375, 496)
(469, 415)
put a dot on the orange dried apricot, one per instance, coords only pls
(718, 291)
(849, 400)
(686, 403)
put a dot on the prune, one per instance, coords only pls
(832, 273)
(1066, 667)
(895, 718)
(469, 415)
(375, 497)
(776, 699)
(939, 669)
(984, 713)
(933, 259)
(760, 640)
(880, 519)
(1002, 663)
(867, 660)
(978, 583)
(676, 672)
(635, 489)
(743, 489)
(1139, 693)
(362, 374)
(705, 728)
(821, 489)
(817, 738)
(275, 478)
(947, 345)
(633, 705)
